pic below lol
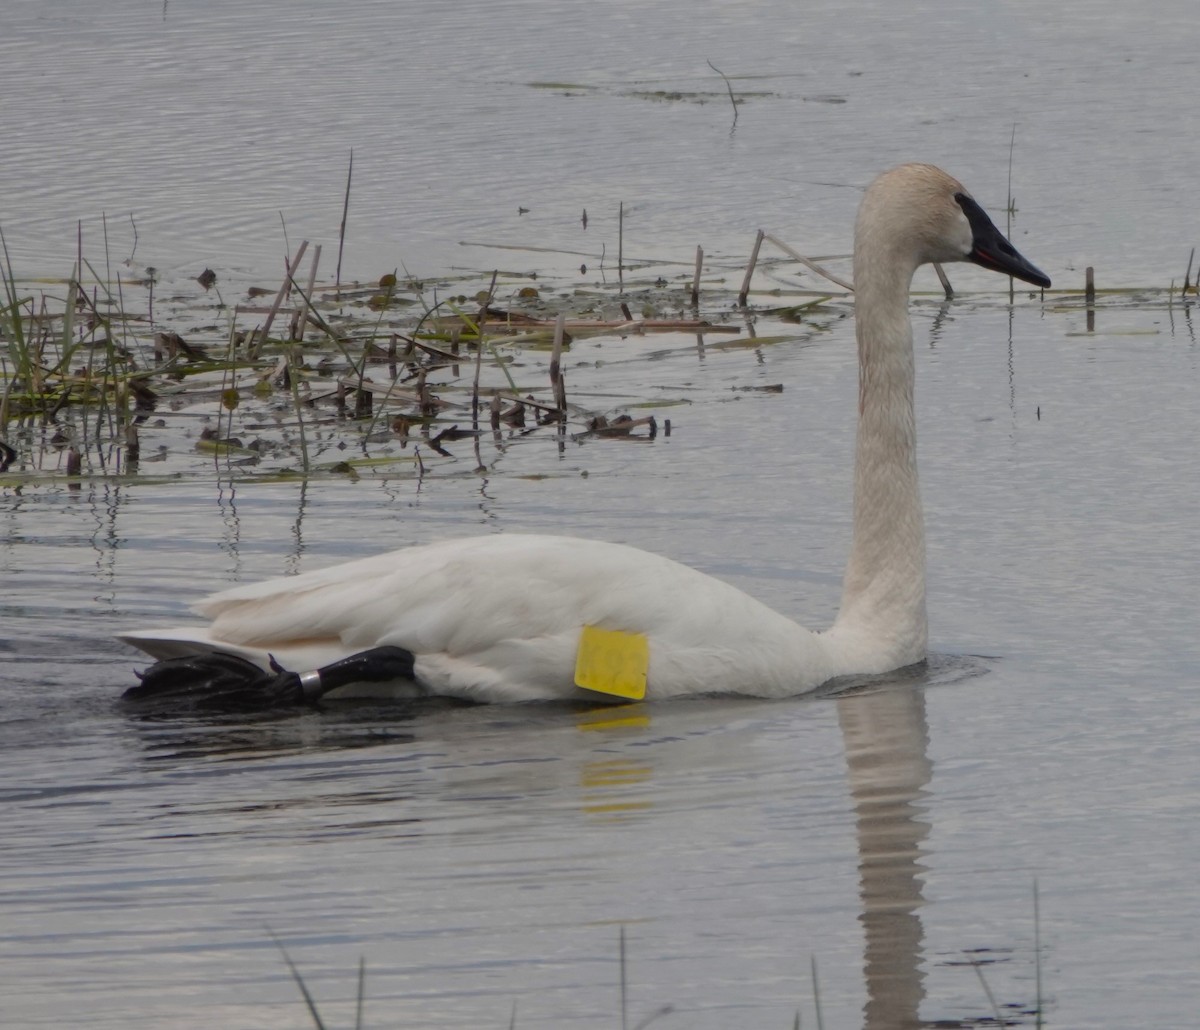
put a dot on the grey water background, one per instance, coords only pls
(481, 858)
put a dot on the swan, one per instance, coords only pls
(529, 617)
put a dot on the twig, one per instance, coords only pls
(817, 994)
(796, 255)
(556, 376)
(483, 310)
(308, 998)
(1037, 954)
(745, 292)
(986, 990)
(287, 244)
(1008, 213)
(949, 290)
(294, 382)
(732, 99)
(362, 993)
(658, 1013)
(1012, 140)
(624, 986)
(528, 401)
(264, 332)
(306, 304)
(385, 393)
(584, 325)
(621, 247)
(342, 230)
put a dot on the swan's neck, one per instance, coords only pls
(882, 618)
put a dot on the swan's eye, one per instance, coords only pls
(976, 216)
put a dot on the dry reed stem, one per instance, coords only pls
(384, 393)
(750, 266)
(949, 290)
(728, 86)
(342, 230)
(583, 325)
(621, 247)
(623, 425)
(556, 375)
(301, 320)
(285, 286)
(812, 265)
(528, 402)
(479, 324)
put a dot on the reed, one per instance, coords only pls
(624, 988)
(342, 228)
(1037, 955)
(728, 86)
(621, 246)
(557, 381)
(808, 263)
(79, 353)
(816, 989)
(744, 293)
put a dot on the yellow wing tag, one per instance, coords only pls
(612, 662)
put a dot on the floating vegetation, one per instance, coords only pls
(128, 375)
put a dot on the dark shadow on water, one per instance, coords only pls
(938, 670)
(361, 723)
(336, 726)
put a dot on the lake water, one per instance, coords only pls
(479, 859)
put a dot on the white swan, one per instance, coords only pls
(501, 618)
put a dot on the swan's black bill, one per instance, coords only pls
(991, 250)
(217, 682)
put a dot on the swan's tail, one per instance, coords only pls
(219, 681)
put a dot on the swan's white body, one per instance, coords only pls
(499, 618)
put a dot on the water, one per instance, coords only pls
(208, 122)
(481, 858)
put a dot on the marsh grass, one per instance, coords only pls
(999, 1015)
(121, 375)
(91, 369)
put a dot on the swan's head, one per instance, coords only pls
(922, 213)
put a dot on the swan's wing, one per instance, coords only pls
(181, 641)
(500, 617)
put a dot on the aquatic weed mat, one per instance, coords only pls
(151, 379)
(143, 377)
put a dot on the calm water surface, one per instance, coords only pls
(484, 858)
(208, 122)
